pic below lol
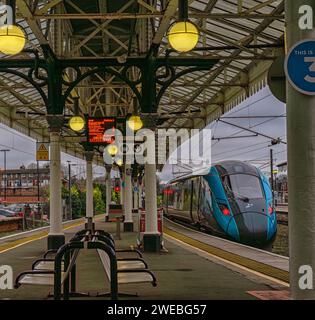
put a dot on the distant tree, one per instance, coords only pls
(103, 190)
(64, 192)
(76, 202)
(115, 197)
(99, 205)
(82, 195)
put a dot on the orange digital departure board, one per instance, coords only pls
(96, 128)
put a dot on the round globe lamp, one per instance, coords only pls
(119, 162)
(112, 150)
(12, 39)
(183, 36)
(135, 123)
(76, 123)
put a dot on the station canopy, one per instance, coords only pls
(242, 36)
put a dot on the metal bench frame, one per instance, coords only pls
(142, 270)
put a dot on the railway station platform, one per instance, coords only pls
(192, 266)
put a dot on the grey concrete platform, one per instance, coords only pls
(268, 258)
(181, 273)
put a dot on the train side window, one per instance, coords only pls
(178, 196)
(205, 199)
(186, 187)
(195, 195)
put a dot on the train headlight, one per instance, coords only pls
(225, 210)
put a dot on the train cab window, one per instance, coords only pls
(243, 185)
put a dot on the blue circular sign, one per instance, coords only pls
(300, 66)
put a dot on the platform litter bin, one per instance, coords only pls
(115, 213)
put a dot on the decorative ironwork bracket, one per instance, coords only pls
(156, 74)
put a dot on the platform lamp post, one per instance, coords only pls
(271, 176)
(108, 191)
(69, 187)
(38, 193)
(5, 173)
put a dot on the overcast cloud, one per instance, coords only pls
(255, 149)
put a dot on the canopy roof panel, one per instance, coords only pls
(244, 35)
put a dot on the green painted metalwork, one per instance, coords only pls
(156, 75)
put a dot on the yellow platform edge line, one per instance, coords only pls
(20, 242)
(43, 234)
(248, 263)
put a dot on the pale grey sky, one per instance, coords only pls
(23, 152)
(255, 149)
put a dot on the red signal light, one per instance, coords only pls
(117, 189)
(225, 210)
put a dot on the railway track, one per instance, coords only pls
(282, 217)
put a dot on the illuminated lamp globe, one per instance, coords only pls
(119, 162)
(183, 36)
(112, 149)
(12, 39)
(135, 123)
(76, 123)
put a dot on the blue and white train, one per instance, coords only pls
(234, 201)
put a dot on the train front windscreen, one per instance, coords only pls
(247, 201)
(243, 187)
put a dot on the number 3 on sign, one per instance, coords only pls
(300, 67)
(311, 68)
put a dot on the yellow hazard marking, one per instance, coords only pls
(42, 147)
(38, 236)
(250, 264)
(42, 153)
(20, 242)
